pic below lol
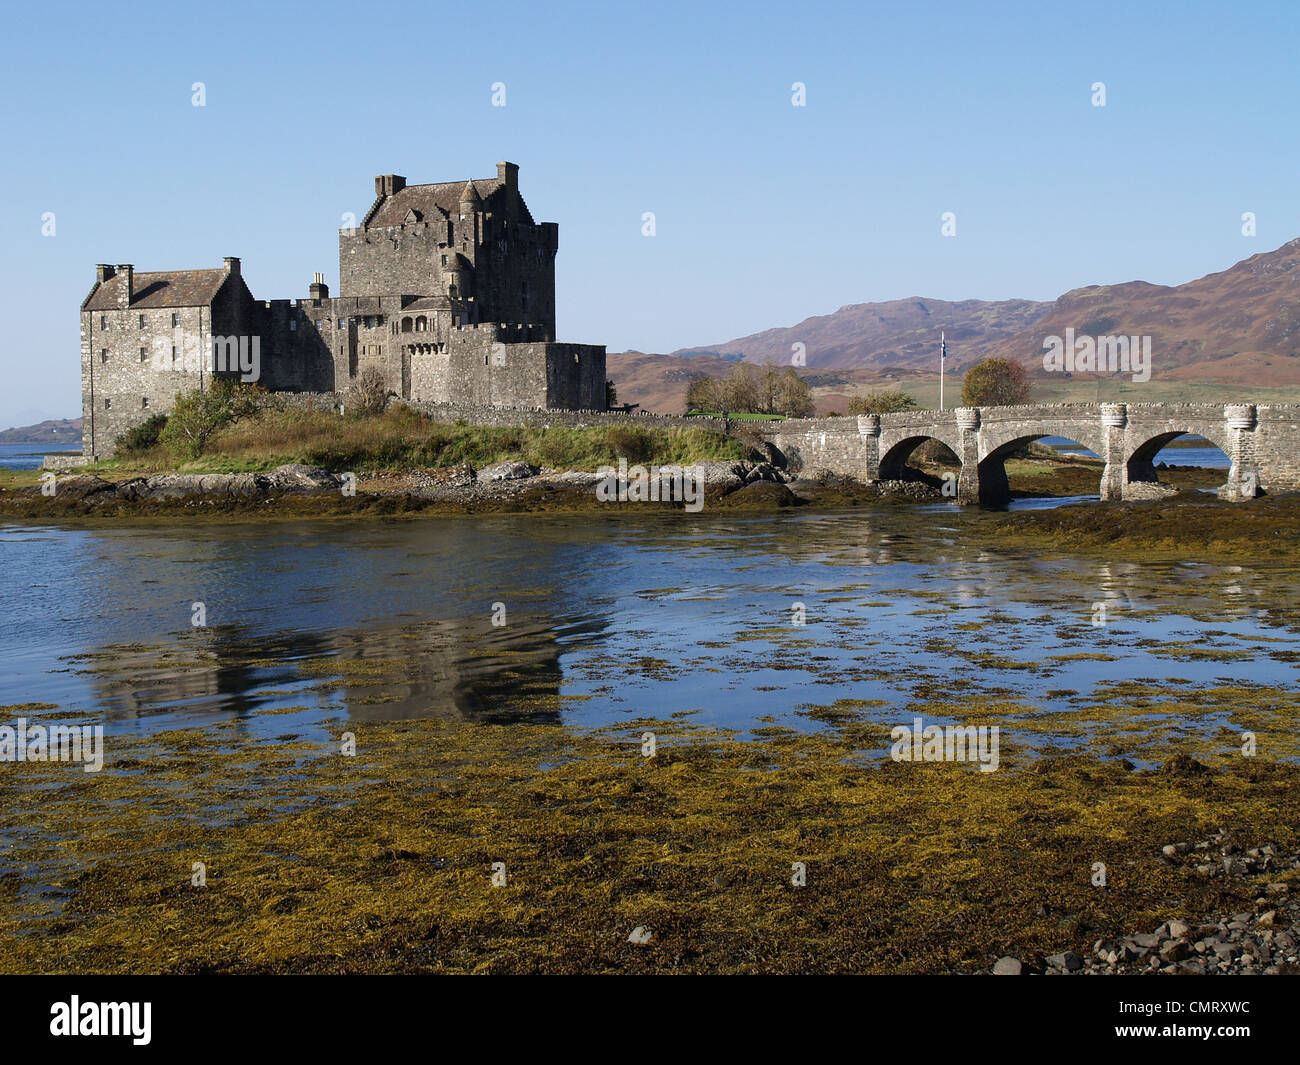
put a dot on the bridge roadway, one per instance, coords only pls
(1262, 443)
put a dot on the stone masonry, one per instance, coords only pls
(1262, 443)
(448, 290)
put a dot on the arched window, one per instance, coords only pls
(406, 325)
(421, 324)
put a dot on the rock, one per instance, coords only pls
(725, 475)
(1182, 765)
(1147, 940)
(447, 477)
(1175, 950)
(1138, 490)
(81, 486)
(1007, 966)
(640, 935)
(1172, 850)
(507, 471)
(761, 494)
(296, 476)
(1178, 929)
(1268, 920)
(578, 477)
(1067, 960)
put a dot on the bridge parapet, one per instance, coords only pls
(1262, 442)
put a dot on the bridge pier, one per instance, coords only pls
(1240, 421)
(869, 430)
(969, 488)
(1114, 425)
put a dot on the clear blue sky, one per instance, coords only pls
(766, 213)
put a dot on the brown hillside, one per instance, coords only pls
(1247, 317)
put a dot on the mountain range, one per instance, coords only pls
(1240, 326)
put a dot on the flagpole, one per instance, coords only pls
(943, 350)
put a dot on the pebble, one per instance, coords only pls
(1266, 939)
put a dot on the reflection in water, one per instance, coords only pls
(609, 618)
(463, 668)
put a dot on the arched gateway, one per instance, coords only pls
(1262, 443)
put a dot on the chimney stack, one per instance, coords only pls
(508, 175)
(232, 265)
(389, 184)
(318, 290)
(124, 294)
(103, 272)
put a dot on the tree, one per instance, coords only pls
(995, 383)
(196, 415)
(793, 396)
(705, 393)
(883, 402)
(747, 389)
(611, 395)
(369, 393)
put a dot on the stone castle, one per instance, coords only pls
(447, 290)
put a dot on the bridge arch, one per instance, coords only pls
(994, 486)
(1141, 459)
(894, 456)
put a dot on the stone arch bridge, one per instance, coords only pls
(1262, 443)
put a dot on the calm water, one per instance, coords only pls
(29, 456)
(1209, 456)
(620, 617)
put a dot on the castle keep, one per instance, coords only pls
(447, 290)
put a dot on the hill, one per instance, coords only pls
(53, 431)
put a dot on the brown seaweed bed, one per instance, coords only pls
(383, 861)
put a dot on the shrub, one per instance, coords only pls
(630, 442)
(884, 402)
(143, 437)
(196, 415)
(368, 394)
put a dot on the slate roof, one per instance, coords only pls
(164, 288)
(443, 198)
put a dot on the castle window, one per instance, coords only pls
(142, 321)
(103, 355)
(293, 324)
(406, 325)
(575, 358)
(144, 402)
(103, 321)
(173, 353)
(144, 354)
(108, 403)
(342, 322)
(421, 324)
(176, 320)
(444, 260)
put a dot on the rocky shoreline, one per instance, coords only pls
(1261, 939)
(463, 489)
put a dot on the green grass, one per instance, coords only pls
(402, 438)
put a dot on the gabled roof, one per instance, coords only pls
(443, 198)
(165, 288)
